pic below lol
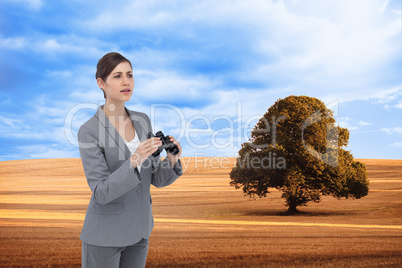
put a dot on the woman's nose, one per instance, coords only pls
(126, 81)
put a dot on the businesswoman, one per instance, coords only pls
(116, 154)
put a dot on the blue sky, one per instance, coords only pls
(205, 71)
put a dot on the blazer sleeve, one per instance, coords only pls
(106, 186)
(164, 175)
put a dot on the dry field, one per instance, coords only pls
(201, 221)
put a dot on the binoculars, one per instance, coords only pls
(169, 146)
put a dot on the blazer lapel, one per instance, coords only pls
(114, 134)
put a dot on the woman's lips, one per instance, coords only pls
(126, 91)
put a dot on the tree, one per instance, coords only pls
(297, 148)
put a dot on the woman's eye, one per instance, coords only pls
(117, 76)
(129, 75)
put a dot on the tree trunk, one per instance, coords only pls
(292, 208)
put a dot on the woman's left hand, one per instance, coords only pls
(173, 158)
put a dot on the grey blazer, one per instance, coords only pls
(119, 212)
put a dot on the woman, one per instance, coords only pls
(118, 163)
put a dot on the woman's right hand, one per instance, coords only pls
(144, 150)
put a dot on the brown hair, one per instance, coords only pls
(107, 64)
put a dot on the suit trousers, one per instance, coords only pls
(114, 257)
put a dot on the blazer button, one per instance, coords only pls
(139, 190)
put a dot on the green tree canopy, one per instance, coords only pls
(297, 148)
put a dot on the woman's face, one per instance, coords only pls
(119, 84)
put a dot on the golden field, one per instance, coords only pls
(201, 221)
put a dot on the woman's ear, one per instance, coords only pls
(100, 82)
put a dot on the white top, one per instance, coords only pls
(133, 145)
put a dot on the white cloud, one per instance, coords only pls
(41, 151)
(169, 86)
(35, 131)
(66, 44)
(51, 153)
(399, 105)
(338, 55)
(34, 4)
(13, 43)
(383, 7)
(386, 95)
(51, 45)
(9, 122)
(393, 130)
(363, 123)
(59, 45)
(45, 121)
(88, 95)
(344, 122)
(397, 144)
